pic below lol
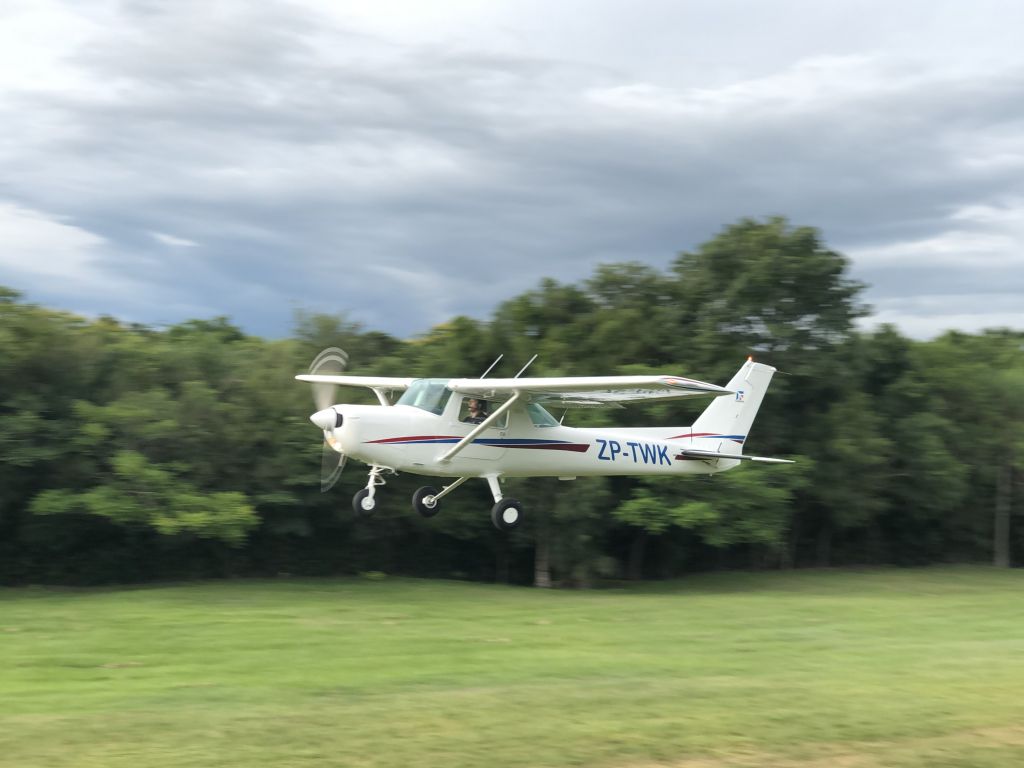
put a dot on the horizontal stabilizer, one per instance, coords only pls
(693, 453)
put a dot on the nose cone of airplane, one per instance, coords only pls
(326, 419)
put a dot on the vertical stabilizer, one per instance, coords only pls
(730, 416)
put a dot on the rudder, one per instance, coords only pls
(731, 416)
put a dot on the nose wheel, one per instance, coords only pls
(365, 500)
(363, 503)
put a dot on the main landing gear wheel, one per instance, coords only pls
(507, 514)
(363, 503)
(423, 501)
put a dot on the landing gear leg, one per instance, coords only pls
(365, 500)
(506, 514)
(427, 499)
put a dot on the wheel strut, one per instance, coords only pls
(506, 514)
(425, 500)
(364, 502)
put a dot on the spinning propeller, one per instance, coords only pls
(332, 461)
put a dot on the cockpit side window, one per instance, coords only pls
(474, 410)
(429, 394)
(539, 416)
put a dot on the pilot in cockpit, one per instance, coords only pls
(477, 411)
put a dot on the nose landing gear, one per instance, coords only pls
(365, 499)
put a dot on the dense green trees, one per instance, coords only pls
(128, 453)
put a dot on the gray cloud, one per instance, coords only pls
(309, 162)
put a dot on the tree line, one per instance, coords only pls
(129, 453)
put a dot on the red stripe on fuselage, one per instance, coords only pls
(575, 447)
(415, 438)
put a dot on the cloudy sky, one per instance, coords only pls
(406, 161)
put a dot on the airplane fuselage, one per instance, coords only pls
(410, 439)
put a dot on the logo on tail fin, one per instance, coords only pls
(739, 395)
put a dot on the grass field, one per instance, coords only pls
(848, 669)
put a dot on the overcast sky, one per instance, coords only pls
(406, 161)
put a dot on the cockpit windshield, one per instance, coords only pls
(429, 394)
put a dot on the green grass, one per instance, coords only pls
(849, 669)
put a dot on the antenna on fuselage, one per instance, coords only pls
(484, 374)
(525, 367)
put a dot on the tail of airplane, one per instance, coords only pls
(730, 416)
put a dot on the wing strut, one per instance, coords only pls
(479, 428)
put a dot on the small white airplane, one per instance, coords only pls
(442, 428)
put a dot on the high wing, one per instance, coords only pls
(384, 383)
(586, 392)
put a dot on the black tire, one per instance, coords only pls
(360, 500)
(419, 501)
(507, 514)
